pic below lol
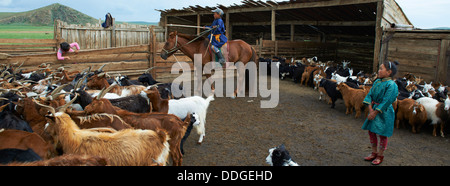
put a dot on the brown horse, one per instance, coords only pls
(239, 51)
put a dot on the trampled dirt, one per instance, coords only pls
(240, 133)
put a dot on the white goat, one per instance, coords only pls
(195, 104)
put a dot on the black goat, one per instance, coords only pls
(330, 88)
(18, 155)
(134, 103)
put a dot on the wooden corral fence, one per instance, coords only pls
(130, 60)
(425, 53)
(94, 36)
(19, 46)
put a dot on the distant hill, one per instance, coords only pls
(46, 16)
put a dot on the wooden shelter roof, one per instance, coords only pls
(362, 11)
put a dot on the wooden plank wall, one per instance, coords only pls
(96, 37)
(18, 46)
(131, 60)
(357, 49)
(424, 54)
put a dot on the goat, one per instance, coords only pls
(66, 160)
(100, 120)
(183, 106)
(279, 156)
(411, 111)
(17, 155)
(129, 147)
(17, 139)
(437, 112)
(99, 81)
(353, 98)
(133, 103)
(169, 122)
(332, 92)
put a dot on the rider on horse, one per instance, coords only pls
(218, 33)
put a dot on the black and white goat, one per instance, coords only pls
(279, 156)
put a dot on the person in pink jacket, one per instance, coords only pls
(65, 47)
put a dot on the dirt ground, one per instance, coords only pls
(240, 133)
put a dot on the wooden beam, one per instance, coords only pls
(314, 23)
(284, 6)
(292, 32)
(227, 25)
(442, 64)
(273, 24)
(378, 36)
(198, 23)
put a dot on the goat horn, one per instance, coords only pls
(104, 91)
(57, 90)
(148, 70)
(64, 107)
(49, 108)
(79, 82)
(101, 68)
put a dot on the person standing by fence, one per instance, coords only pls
(381, 116)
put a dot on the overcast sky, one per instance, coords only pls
(422, 13)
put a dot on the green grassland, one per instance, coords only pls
(22, 31)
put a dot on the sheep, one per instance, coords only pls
(169, 122)
(183, 106)
(17, 139)
(128, 147)
(436, 112)
(353, 98)
(411, 111)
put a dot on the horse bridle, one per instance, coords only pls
(176, 47)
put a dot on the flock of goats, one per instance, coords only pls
(418, 102)
(53, 117)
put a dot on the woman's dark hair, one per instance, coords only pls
(65, 46)
(392, 66)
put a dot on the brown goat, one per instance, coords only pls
(99, 82)
(127, 147)
(100, 120)
(30, 111)
(17, 139)
(412, 112)
(353, 98)
(169, 122)
(158, 104)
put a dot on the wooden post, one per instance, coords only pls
(272, 24)
(113, 33)
(442, 63)
(378, 36)
(292, 32)
(165, 28)
(227, 25)
(198, 24)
